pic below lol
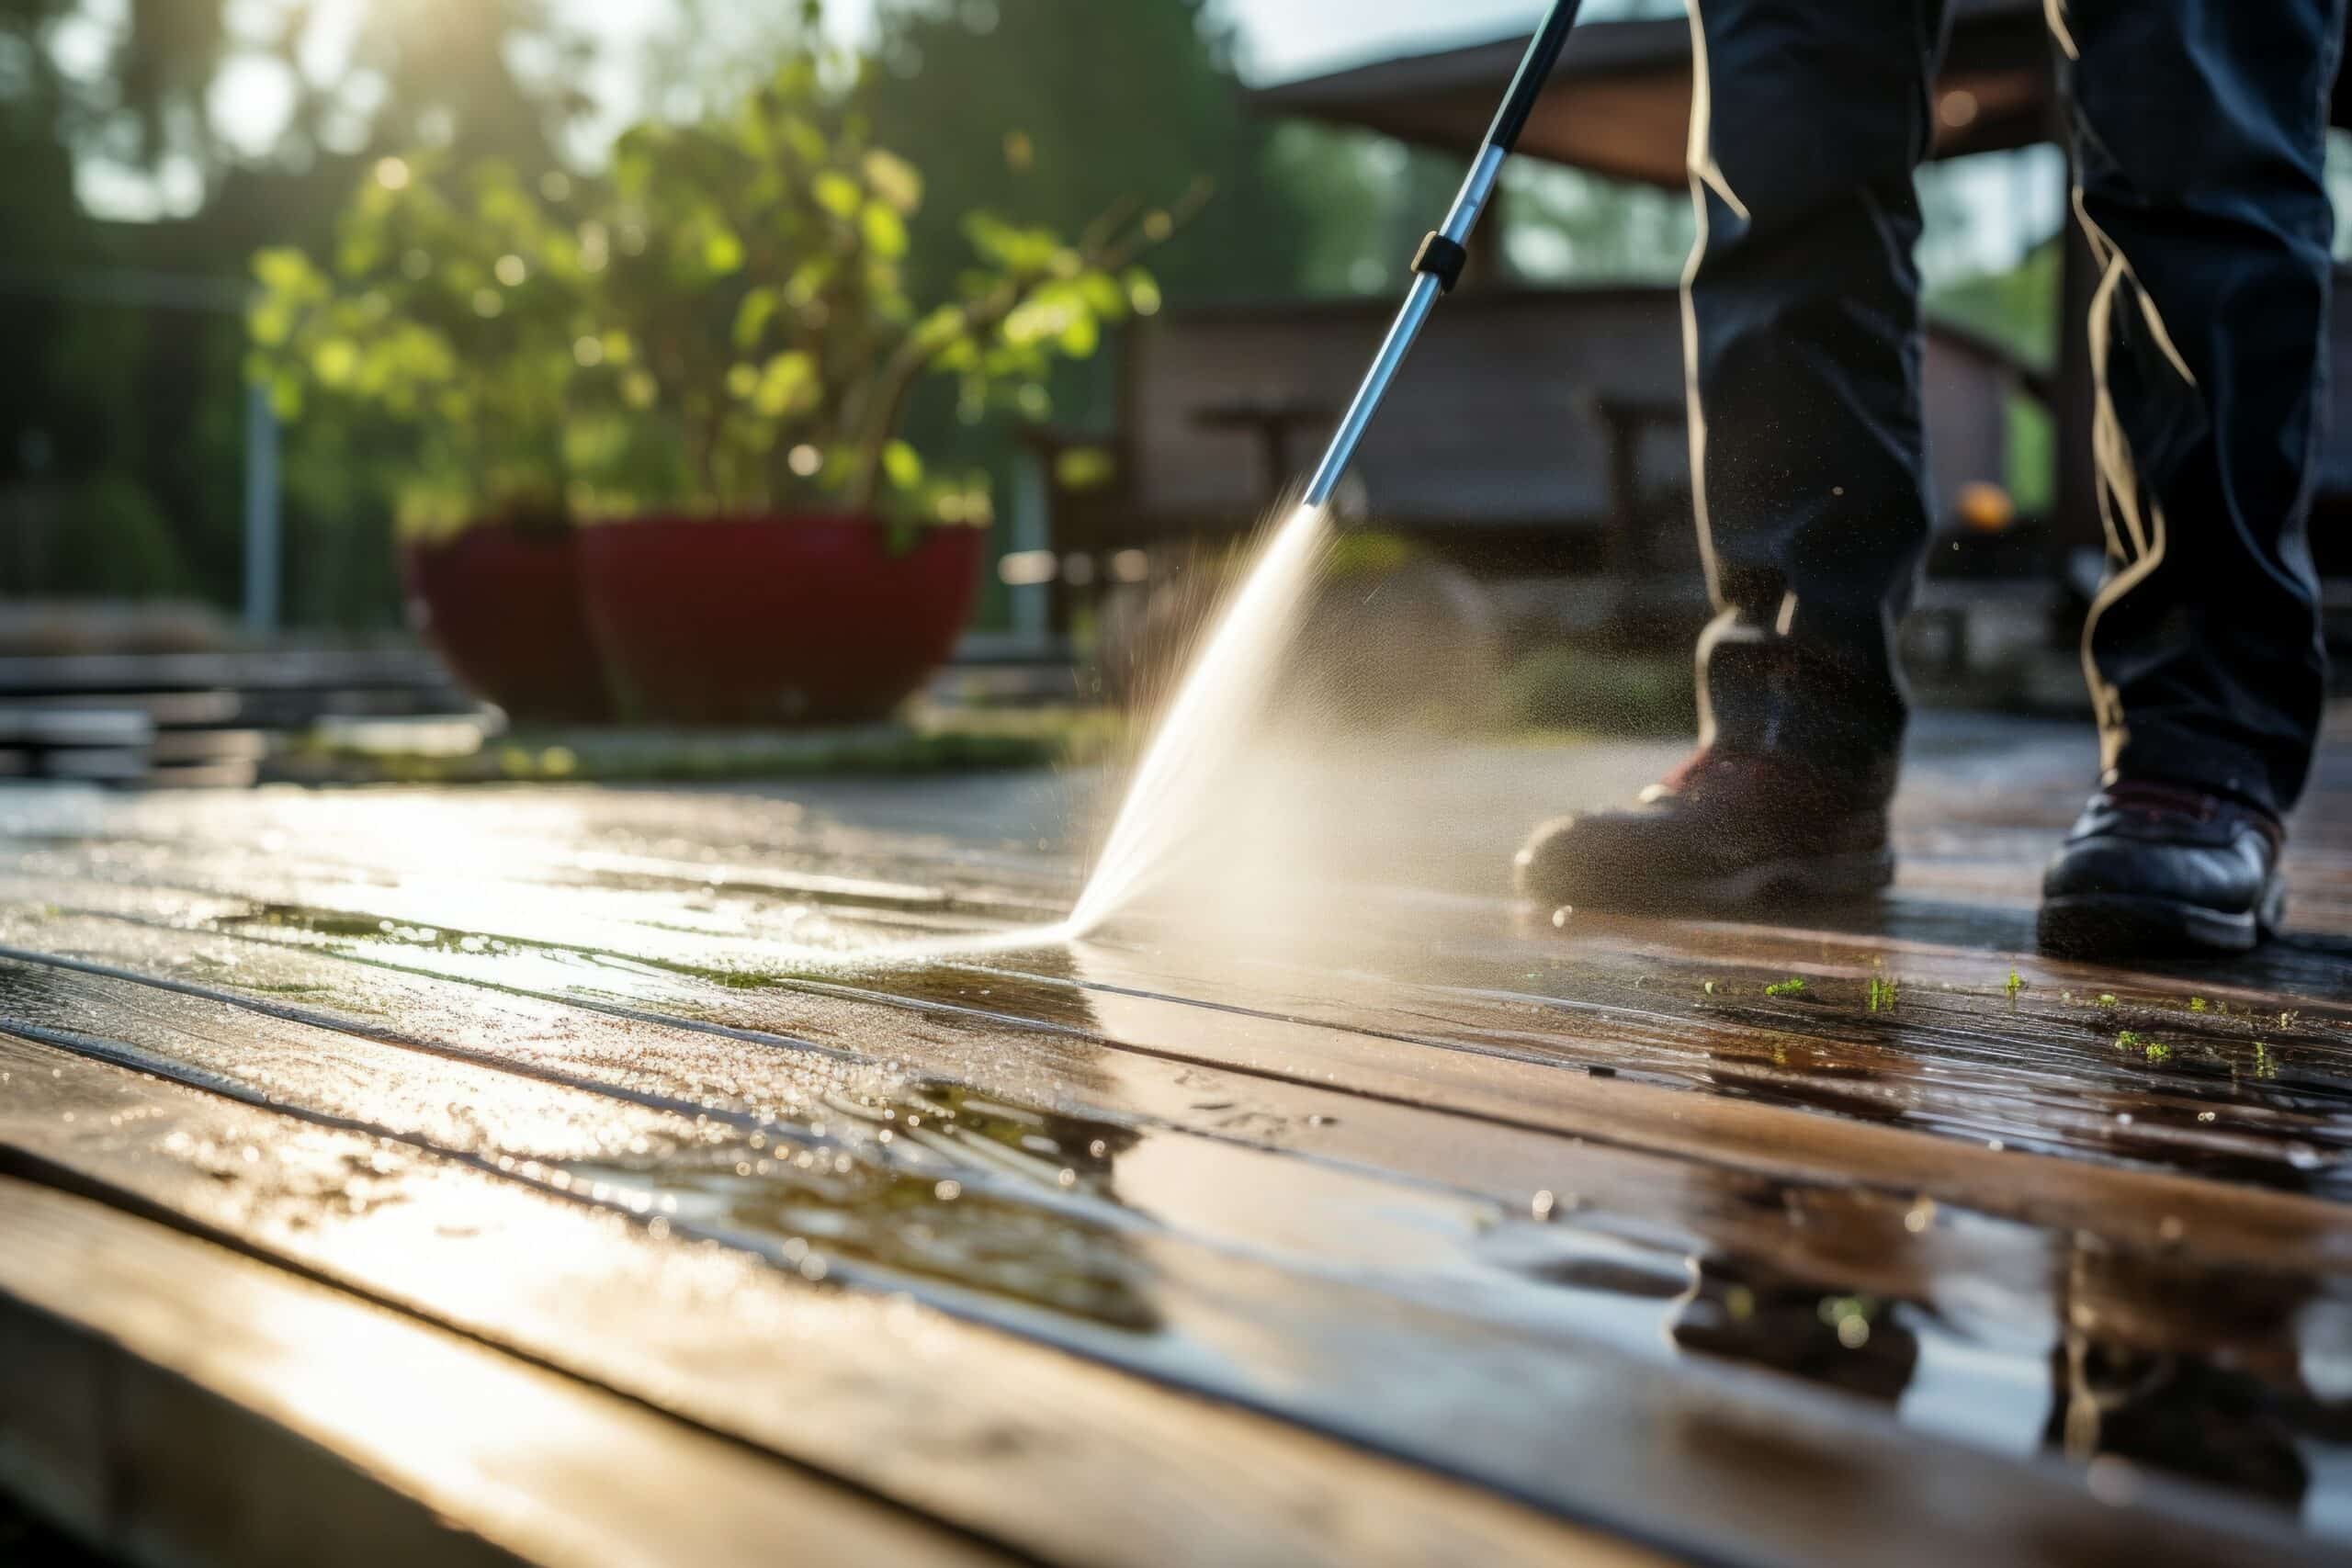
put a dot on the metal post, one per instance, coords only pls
(1032, 504)
(264, 541)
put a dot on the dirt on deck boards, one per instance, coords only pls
(1403, 1226)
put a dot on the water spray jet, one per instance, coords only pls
(1229, 683)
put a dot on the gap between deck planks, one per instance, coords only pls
(1029, 1446)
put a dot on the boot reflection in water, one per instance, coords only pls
(2183, 1370)
(1749, 1312)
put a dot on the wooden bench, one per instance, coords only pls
(1534, 432)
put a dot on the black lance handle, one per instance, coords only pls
(1444, 252)
(1437, 267)
(1534, 71)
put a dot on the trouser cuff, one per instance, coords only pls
(2207, 764)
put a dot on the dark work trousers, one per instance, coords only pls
(2198, 130)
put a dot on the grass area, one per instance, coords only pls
(926, 741)
(1597, 692)
(1549, 696)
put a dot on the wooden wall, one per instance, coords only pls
(1493, 421)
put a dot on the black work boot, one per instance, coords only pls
(2156, 868)
(1724, 832)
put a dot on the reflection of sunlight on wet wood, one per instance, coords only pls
(876, 1389)
(543, 1465)
(1359, 1226)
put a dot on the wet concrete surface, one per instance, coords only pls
(1395, 1158)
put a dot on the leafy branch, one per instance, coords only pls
(954, 336)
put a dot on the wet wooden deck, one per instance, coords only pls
(591, 1175)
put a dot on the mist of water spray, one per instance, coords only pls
(1201, 738)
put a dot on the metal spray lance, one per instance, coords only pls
(1438, 265)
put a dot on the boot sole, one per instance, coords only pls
(1809, 880)
(1821, 879)
(2117, 925)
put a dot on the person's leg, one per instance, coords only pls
(1801, 337)
(1801, 340)
(2200, 138)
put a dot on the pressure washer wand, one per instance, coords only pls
(1438, 265)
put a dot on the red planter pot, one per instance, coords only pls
(769, 620)
(504, 607)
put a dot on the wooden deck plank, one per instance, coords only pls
(1676, 1203)
(1046, 1454)
(1819, 1243)
(2051, 1079)
(2028, 1045)
(886, 1394)
(2032, 1047)
(1321, 1122)
(1506, 1164)
(1628, 1215)
(881, 1149)
(169, 1400)
(2032, 1071)
(2141, 1207)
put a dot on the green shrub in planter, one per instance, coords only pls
(720, 323)
(454, 308)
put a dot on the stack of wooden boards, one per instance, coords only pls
(194, 719)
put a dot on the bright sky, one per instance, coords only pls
(1282, 38)
(1289, 38)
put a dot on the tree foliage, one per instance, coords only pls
(1058, 110)
(1065, 109)
(486, 76)
(125, 422)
